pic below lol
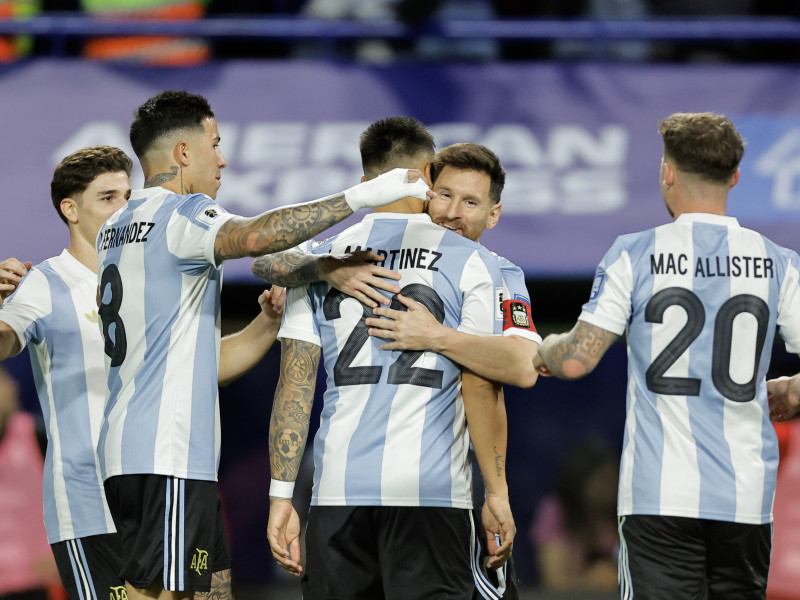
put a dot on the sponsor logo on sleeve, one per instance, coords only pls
(597, 284)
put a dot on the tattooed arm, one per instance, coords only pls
(286, 227)
(288, 432)
(573, 354)
(355, 274)
(278, 229)
(291, 409)
(485, 409)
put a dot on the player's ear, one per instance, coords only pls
(363, 178)
(426, 172)
(494, 215)
(180, 153)
(735, 179)
(69, 208)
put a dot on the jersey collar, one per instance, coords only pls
(708, 218)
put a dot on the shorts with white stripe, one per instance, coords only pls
(391, 553)
(172, 531)
(668, 558)
(89, 567)
(491, 584)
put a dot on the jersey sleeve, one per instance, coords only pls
(789, 306)
(298, 321)
(517, 317)
(609, 305)
(482, 286)
(193, 227)
(24, 310)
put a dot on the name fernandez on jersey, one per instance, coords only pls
(406, 258)
(757, 267)
(114, 237)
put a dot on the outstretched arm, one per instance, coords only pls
(240, 352)
(355, 274)
(488, 429)
(784, 397)
(506, 359)
(286, 227)
(288, 433)
(573, 354)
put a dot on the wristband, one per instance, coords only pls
(281, 489)
(384, 189)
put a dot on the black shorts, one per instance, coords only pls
(492, 584)
(663, 558)
(389, 552)
(170, 528)
(89, 567)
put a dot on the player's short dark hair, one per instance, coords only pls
(472, 157)
(703, 144)
(164, 113)
(392, 143)
(76, 171)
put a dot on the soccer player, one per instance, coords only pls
(700, 299)
(160, 273)
(392, 478)
(473, 180)
(468, 180)
(54, 313)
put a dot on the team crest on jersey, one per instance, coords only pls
(118, 592)
(199, 561)
(597, 284)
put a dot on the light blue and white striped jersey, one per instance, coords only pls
(160, 313)
(54, 313)
(393, 430)
(701, 299)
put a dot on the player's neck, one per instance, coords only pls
(83, 251)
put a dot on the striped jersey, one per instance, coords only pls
(515, 300)
(701, 299)
(160, 316)
(54, 313)
(392, 429)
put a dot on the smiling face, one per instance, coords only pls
(462, 203)
(206, 159)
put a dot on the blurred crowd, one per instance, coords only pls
(165, 50)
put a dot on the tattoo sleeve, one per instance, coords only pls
(290, 268)
(291, 409)
(278, 229)
(574, 354)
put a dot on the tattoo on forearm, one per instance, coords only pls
(161, 178)
(585, 344)
(290, 268)
(279, 229)
(499, 462)
(291, 410)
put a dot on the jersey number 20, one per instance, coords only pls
(723, 341)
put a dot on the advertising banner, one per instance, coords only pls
(579, 141)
